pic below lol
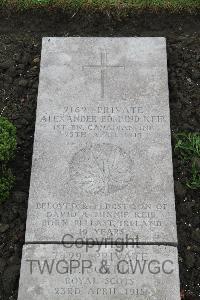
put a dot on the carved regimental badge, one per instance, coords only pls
(100, 168)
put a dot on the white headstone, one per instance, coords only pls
(102, 165)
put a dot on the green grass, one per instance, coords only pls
(188, 148)
(189, 145)
(176, 5)
(8, 143)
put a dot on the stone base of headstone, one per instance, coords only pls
(99, 272)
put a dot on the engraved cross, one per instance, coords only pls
(103, 67)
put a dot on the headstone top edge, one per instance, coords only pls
(104, 37)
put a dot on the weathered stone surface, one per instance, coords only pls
(102, 164)
(106, 272)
